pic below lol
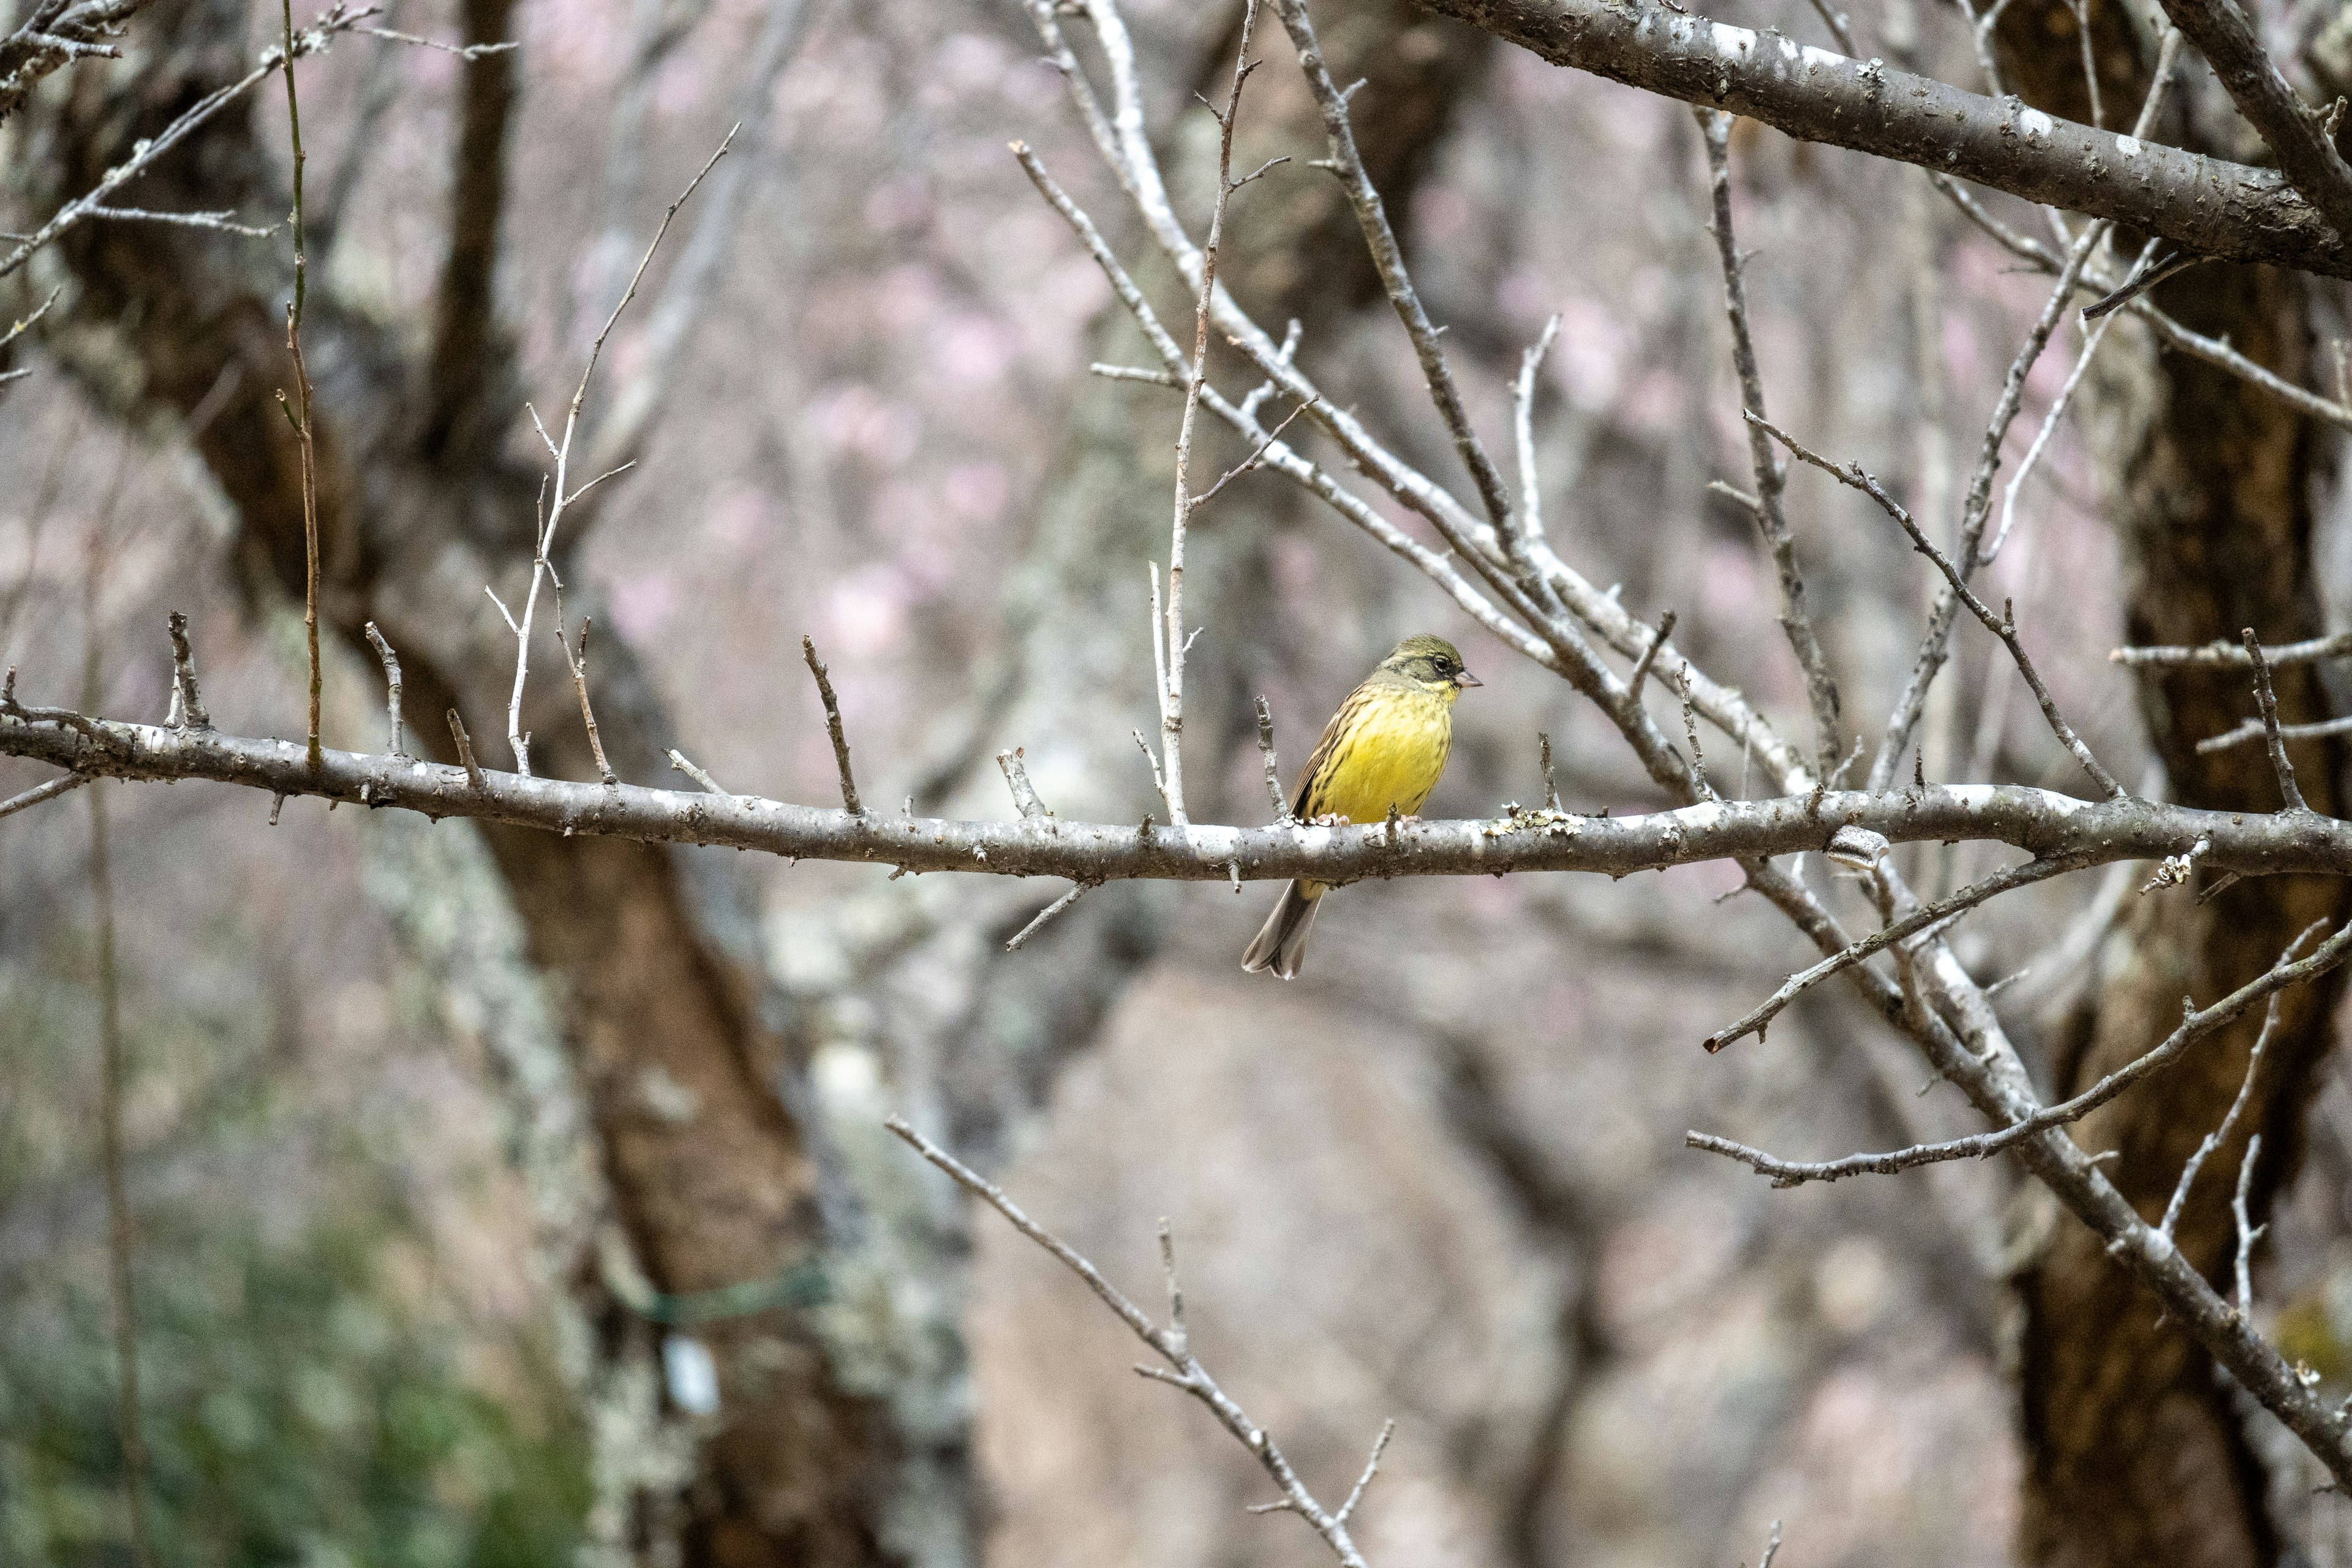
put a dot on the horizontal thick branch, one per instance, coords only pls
(2052, 826)
(2205, 205)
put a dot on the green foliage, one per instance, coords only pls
(300, 1408)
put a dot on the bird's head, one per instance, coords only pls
(1431, 662)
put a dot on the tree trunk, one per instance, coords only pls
(714, 1178)
(2135, 1450)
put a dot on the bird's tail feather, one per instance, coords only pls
(1281, 942)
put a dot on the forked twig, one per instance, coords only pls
(1181, 1370)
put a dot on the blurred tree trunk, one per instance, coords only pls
(2134, 1449)
(692, 1087)
(714, 1179)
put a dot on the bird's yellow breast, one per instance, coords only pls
(1389, 754)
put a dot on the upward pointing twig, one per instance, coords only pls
(2280, 763)
(1168, 629)
(299, 413)
(1771, 478)
(833, 727)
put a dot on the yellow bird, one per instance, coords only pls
(1382, 750)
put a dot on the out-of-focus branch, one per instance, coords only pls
(2220, 655)
(338, 18)
(679, 304)
(2003, 626)
(1172, 1344)
(57, 34)
(2208, 206)
(2198, 1024)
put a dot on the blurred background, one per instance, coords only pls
(501, 1201)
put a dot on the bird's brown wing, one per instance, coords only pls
(1341, 723)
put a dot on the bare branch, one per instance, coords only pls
(2052, 826)
(2220, 655)
(1183, 1370)
(337, 19)
(833, 726)
(2195, 1027)
(540, 566)
(678, 763)
(2221, 1135)
(2254, 730)
(39, 792)
(2280, 763)
(1771, 476)
(1169, 641)
(469, 52)
(1273, 768)
(1016, 779)
(2224, 36)
(1076, 891)
(1759, 1020)
(115, 1084)
(219, 222)
(186, 699)
(476, 780)
(1529, 522)
(2204, 206)
(391, 690)
(577, 663)
(2248, 1232)
(2003, 626)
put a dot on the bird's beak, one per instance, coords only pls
(1466, 678)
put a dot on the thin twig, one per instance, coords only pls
(1077, 891)
(2221, 1135)
(1182, 1370)
(2041, 436)
(2140, 281)
(2253, 729)
(1528, 520)
(39, 792)
(465, 750)
(833, 727)
(1760, 1019)
(677, 762)
(462, 51)
(2219, 654)
(1168, 640)
(1273, 768)
(219, 222)
(2195, 1025)
(1975, 509)
(1016, 779)
(2003, 626)
(1771, 476)
(301, 411)
(1372, 1468)
(2248, 1232)
(2280, 763)
(577, 663)
(559, 497)
(1648, 657)
(391, 689)
(186, 697)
